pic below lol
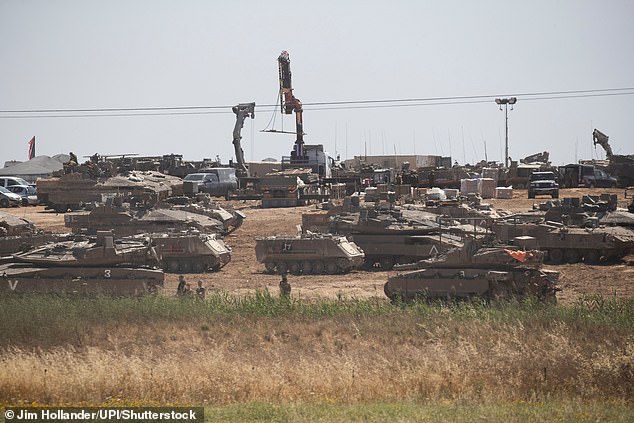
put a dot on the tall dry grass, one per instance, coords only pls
(327, 352)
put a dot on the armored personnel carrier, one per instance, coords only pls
(570, 244)
(475, 271)
(191, 252)
(96, 265)
(308, 254)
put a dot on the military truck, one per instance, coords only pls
(308, 254)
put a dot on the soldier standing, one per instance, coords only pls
(180, 290)
(200, 291)
(285, 287)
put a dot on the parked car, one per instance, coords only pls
(7, 181)
(214, 181)
(543, 183)
(599, 179)
(27, 192)
(9, 199)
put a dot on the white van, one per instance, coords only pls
(7, 181)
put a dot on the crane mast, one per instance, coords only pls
(242, 111)
(289, 104)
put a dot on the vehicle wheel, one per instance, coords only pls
(199, 267)
(331, 268)
(282, 268)
(556, 256)
(269, 266)
(307, 268)
(172, 265)
(368, 263)
(4, 202)
(318, 267)
(295, 268)
(25, 202)
(186, 266)
(572, 256)
(554, 195)
(531, 194)
(591, 257)
(387, 263)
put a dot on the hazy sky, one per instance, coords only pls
(142, 54)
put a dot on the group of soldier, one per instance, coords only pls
(184, 288)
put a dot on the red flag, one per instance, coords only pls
(32, 148)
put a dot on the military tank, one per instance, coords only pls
(84, 265)
(387, 238)
(71, 191)
(191, 252)
(308, 254)
(570, 244)
(472, 270)
(126, 222)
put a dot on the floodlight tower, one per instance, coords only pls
(506, 102)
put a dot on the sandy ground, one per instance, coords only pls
(245, 275)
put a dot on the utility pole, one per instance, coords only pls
(506, 102)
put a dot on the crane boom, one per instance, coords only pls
(242, 111)
(602, 139)
(289, 104)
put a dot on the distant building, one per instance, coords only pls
(37, 167)
(396, 161)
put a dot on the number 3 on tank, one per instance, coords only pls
(106, 273)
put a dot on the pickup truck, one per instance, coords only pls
(217, 182)
(543, 183)
(599, 179)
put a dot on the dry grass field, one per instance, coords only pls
(337, 351)
(223, 352)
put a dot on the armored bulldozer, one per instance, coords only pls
(191, 252)
(308, 254)
(472, 270)
(95, 265)
(570, 244)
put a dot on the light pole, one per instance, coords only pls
(506, 102)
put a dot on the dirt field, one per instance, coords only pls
(245, 275)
